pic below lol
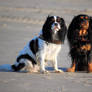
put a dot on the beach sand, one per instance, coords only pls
(20, 21)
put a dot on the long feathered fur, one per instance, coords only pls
(80, 57)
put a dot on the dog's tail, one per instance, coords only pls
(6, 68)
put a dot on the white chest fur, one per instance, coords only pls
(51, 51)
(48, 51)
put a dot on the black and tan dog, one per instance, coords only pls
(80, 42)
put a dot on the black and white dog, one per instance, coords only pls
(43, 48)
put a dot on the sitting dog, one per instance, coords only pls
(80, 42)
(43, 48)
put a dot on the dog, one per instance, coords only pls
(80, 42)
(42, 48)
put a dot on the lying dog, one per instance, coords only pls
(80, 42)
(43, 48)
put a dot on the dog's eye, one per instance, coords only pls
(53, 20)
(58, 20)
(86, 17)
(82, 17)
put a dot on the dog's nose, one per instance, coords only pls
(56, 24)
(84, 22)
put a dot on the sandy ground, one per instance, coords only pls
(20, 21)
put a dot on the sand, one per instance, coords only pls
(20, 21)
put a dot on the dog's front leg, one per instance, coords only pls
(42, 65)
(41, 60)
(56, 65)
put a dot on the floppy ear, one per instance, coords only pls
(73, 23)
(47, 20)
(46, 32)
(71, 28)
(91, 22)
(90, 29)
(63, 31)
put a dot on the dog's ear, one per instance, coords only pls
(46, 20)
(90, 21)
(73, 23)
(62, 19)
(90, 28)
(63, 31)
(90, 17)
(71, 28)
(46, 30)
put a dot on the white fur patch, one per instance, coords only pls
(54, 27)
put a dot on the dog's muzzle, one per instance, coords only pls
(55, 27)
(84, 24)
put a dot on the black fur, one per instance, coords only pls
(26, 56)
(21, 65)
(63, 31)
(34, 46)
(79, 56)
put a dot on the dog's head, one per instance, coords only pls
(54, 29)
(79, 28)
(83, 21)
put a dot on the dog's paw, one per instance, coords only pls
(70, 70)
(58, 71)
(44, 72)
